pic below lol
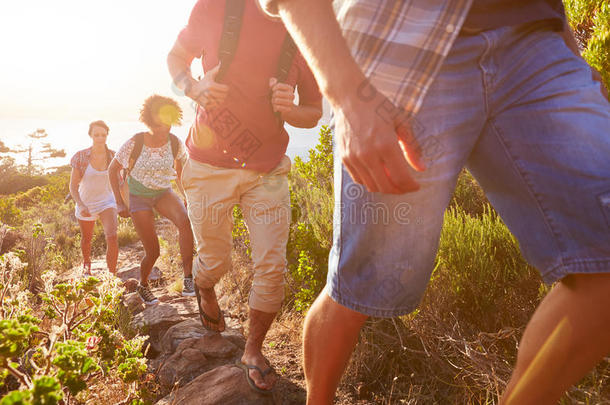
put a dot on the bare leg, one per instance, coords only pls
(86, 234)
(144, 222)
(567, 335)
(172, 208)
(329, 337)
(259, 324)
(110, 223)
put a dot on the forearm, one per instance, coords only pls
(313, 26)
(74, 193)
(113, 177)
(303, 116)
(178, 167)
(179, 67)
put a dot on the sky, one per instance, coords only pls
(82, 59)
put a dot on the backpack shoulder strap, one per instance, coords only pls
(175, 144)
(289, 50)
(234, 11)
(138, 140)
(287, 53)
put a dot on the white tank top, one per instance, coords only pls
(95, 191)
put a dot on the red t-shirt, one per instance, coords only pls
(243, 132)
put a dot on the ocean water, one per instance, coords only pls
(72, 136)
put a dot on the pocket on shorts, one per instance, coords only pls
(283, 167)
(604, 202)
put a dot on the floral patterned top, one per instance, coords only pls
(154, 167)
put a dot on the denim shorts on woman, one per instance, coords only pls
(522, 113)
(141, 203)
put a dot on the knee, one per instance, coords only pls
(208, 271)
(85, 241)
(112, 240)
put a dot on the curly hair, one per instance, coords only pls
(100, 124)
(165, 109)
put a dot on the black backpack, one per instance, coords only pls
(138, 140)
(229, 39)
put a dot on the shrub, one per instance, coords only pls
(480, 274)
(311, 185)
(80, 343)
(9, 213)
(126, 233)
(590, 20)
(468, 195)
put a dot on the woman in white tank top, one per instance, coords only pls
(90, 189)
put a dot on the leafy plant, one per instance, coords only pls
(80, 342)
(311, 186)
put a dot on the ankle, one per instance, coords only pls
(253, 350)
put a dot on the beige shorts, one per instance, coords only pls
(211, 193)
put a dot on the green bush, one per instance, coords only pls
(311, 186)
(126, 233)
(590, 20)
(468, 195)
(80, 343)
(480, 273)
(10, 214)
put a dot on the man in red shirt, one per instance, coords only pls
(237, 156)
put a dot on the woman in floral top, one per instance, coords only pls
(90, 189)
(149, 178)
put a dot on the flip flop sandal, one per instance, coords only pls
(203, 317)
(247, 368)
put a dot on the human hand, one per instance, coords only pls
(207, 92)
(85, 211)
(122, 210)
(376, 143)
(282, 96)
(598, 78)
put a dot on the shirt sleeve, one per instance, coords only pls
(308, 89)
(75, 161)
(192, 36)
(122, 156)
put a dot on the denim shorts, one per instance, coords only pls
(522, 113)
(140, 203)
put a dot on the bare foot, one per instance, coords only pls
(211, 316)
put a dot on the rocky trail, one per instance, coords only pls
(193, 365)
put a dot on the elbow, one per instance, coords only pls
(314, 119)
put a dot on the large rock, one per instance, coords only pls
(191, 359)
(131, 284)
(155, 320)
(134, 303)
(235, 336)
(225, 385)
(192, 328)
(134, 272)
(182, 366)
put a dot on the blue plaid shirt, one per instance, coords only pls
(400, 45)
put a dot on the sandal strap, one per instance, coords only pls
(262, 373)
(210, 319)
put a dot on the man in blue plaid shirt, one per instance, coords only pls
(420, 89)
